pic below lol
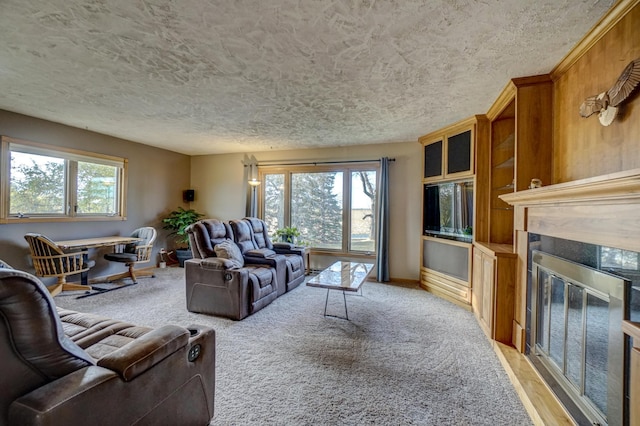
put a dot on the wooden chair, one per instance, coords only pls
(49, 260)
(132, 254)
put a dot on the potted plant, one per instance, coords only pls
(288, 234)
(177, 222)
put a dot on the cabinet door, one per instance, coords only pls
(488, 278)
(433, 160)
(477, 284)
(459, 160)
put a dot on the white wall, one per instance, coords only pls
(221, 190)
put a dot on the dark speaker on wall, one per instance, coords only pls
(189, 195)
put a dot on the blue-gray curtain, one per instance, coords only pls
(382, 221)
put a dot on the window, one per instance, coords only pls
(44, 183)
(332, 207)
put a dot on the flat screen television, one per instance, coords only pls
(448, 210)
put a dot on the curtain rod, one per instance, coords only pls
(315, 163)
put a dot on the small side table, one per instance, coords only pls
(307, 260)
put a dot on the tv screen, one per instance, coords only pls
(448, 210)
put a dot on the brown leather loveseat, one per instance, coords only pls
(61, 367)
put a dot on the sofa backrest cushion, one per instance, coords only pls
(205, 234)
(260, 232)
(29, 312)
(243, 235)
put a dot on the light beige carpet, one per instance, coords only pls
(405, 358)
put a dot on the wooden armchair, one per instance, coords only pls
(49, 260)
(134, 253)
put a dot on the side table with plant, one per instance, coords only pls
(177, 222)
(288, 234)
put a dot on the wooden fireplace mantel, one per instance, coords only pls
(601, 210)
(612, 188)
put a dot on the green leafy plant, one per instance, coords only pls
(288, 234)
(178, 221)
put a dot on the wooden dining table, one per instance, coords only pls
(94, 242)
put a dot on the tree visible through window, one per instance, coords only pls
(315, 202)
(97, 188)
(36, 184)
(48, 182)
(363, 200)
(316, 208)
(274, 202)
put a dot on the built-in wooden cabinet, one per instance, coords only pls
(449, 153)
(503, 151)
(493, 289)
(449, 156)
(446, 269)
(517, 150)
(502, 172)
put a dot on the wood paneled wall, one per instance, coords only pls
(582, 146)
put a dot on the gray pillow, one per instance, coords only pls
(229, 250)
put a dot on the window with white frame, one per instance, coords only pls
(46, 183)
(333, 207)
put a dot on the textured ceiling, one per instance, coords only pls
(204, 77)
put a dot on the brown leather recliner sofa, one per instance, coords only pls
(238, 285)
(61, 367)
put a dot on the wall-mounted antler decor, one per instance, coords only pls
(606, 103)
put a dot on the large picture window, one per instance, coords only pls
(332, 207)
(45, 183)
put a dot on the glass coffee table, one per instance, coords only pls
(342, 275)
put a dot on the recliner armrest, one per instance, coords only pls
(38, 406)
(146, 351)
(283, 245)
(216, 263)
(288, 248)
(260, 253)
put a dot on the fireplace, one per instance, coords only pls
(560, 232)
(575, 338)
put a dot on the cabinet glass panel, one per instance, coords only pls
(557, 322)
(433, 159)
(575, 341)
(459, 153)
(596, 351)
(542, 326)
(446, 258)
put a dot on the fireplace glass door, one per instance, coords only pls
(577, 310)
